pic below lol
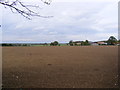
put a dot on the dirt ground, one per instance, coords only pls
(60, 67)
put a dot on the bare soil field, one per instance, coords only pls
(60, 67)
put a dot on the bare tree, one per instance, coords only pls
(26, 11)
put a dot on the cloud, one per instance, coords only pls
(107, 18)
(71, 21)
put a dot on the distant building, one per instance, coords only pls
(94, 43)
(77, 43)
(101, 43)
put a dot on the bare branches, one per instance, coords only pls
(47, 1)
(25, 10)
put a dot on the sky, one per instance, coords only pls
(76, 20)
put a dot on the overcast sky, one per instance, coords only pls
(91, 20)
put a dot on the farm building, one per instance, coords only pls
(94, 43)
(77, 43)
(101, 43)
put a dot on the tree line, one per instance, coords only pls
(111, 41)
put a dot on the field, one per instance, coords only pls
(60, 67)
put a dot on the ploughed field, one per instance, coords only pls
(60, 67)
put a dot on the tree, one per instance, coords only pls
(71, 43)
(55, 43)
(112, 40)
(86, 42)
(82, 43)
(51, 44)
(26, 10)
